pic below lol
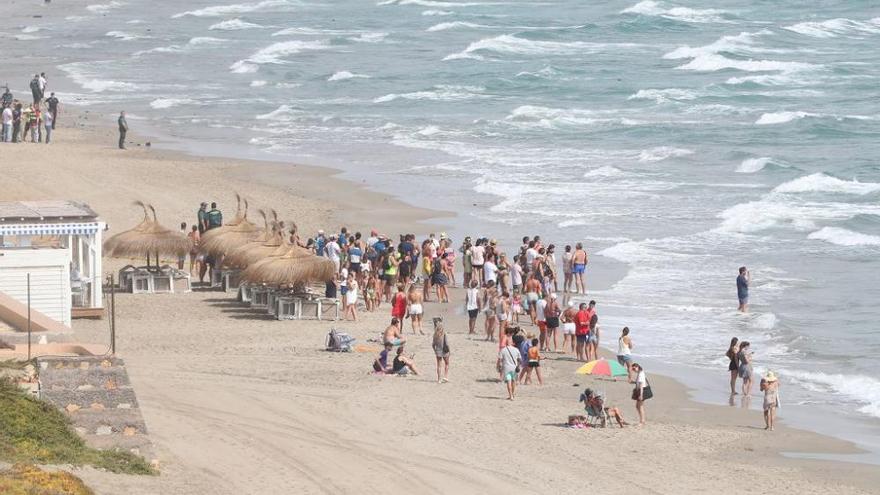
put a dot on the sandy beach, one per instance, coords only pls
(239, 403)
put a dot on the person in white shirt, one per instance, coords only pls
(516, 274)
(332, 251)
(478, 255)
(642, 392)
(490, 271)
(509, 360)
(6, 135)
(541, 318)
(472, 305)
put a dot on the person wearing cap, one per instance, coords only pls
(770, 387)
(202, 217)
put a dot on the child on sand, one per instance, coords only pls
(534, 363)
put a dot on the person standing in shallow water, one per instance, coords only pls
(123, 129)
(733, 367)
(742, 289)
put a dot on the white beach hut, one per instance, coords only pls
(59, 244)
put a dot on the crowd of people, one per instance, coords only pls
(22, 119)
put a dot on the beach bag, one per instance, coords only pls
(647, 393)
(339, 342)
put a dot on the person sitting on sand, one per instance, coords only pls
(402, 364)
(393, 335)
(595, 406)
(380, 365)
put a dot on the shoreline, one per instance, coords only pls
(82, 164)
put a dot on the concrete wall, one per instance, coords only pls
(50, 279)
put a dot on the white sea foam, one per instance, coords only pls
(103, 8)
(32, 29)
(345, 75)
(124, 36)
(438, 3)
(527, 116)
(837, 27)
(437, 13)
(84, 79)
(258, 83)
(684, 14)
(772, 118)
(369, 37)
(511, 44)
(240, 8)
(864, 390)
(765, 321)
(664, 95)
(233, 25)
(661, 153)
(442, 92)
(844, 237)
(28, 37)
(275, 54)
(604, 172)
(783, 79)
(206, 40)
(715, 62)
(161, 103)
(281, 113)
(443, 26)
(823, 183)
(752, 165)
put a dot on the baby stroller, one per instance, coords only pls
(338, 342)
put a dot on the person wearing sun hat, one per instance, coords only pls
(770, 387)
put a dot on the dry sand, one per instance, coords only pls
(238, 403)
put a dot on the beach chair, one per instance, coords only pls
(338, 342)
(598, 417)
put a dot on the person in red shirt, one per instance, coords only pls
(582, 330)
(398, 304)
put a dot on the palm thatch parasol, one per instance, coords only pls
(223, 240)
(252, 252)
(127, 235)
(150, 239)
(296, 267)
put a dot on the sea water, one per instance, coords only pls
(678, 138)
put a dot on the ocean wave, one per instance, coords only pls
(684, 14)
(281, 113)
(103, 8)
(96, 85)
(823, 183)
(443, 92)
(833, 28)
(275, 53)
(661, 153)
(192, 44)
(32, 29)
(777, 211)
(345, 75)
(438, 3)
(437, 13)
(864, 390)
(715, 62)
(369, 38)
(545, 117)
(772, 118)
(664, 95)
(744, 43)
(783, 79)
(844, 237)
(443, 26)
(162, 103)
(258, 83)
(752, 165)
(233, 25)
(240, 8)
(29, 37)
(124, 36)
(511, 44)
(605, 172)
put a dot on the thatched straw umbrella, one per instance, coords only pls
(150, 239)
(127, 235)
(223, 240)
(252, 252)
(297, 267)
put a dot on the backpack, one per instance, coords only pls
(338, 342)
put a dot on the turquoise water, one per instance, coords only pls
(681, 140)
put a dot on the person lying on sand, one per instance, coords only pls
(595, 405)
(393, 335)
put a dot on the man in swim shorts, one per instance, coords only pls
(393, 335)
(578, 267)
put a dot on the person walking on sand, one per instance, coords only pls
(123, 129)
(534, 362)
(415, 309)
(744, 359)
(351, 298)
(578, 267)
(733, 367)
(624, 352)
(508, 364)
(472, 305)
(641, 392)
(48, 125)
(398, 304)
(770, 387)
(52, 103)
(214, 217)
(6, 134)
(440, 344)
(742, 289)
(195, 238)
